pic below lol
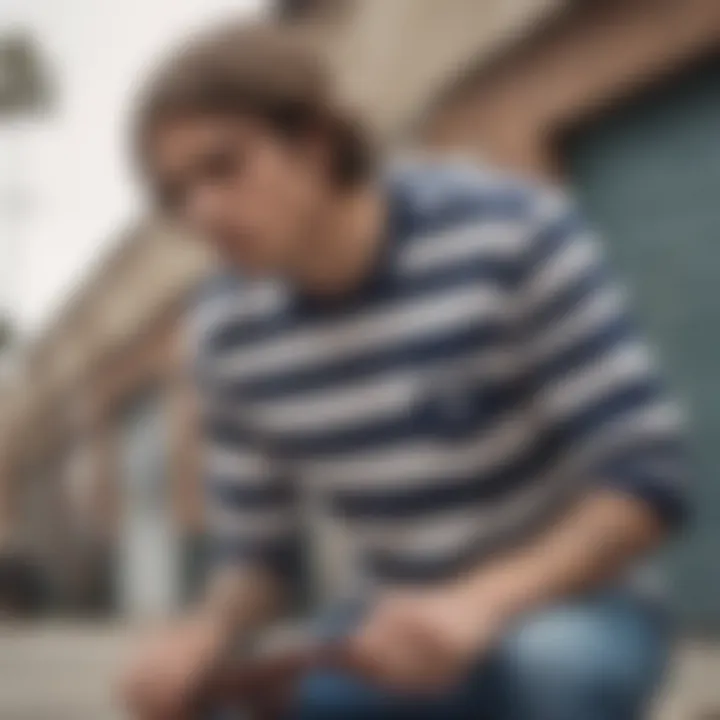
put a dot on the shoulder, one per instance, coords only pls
(218, 289)
(455, 207)
(223, 306)
(218, 285)
(445, 190)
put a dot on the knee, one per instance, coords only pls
(562, 664)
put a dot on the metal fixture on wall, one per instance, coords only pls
(25, 94)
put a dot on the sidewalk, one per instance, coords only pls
(693, 688)
(64, 672)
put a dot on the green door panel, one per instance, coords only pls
(648, 176)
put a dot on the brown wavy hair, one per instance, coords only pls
(266, 72)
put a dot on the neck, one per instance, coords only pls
(344, 244)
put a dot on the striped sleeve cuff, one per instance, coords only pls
(655, 477)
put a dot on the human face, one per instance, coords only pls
(252, 194)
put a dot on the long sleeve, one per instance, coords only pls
(250, 502)
(596, 387)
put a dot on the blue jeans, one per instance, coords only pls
(595, 659)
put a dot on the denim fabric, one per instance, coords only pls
(596, 659)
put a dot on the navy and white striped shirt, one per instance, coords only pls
(487, 374)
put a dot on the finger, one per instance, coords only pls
(390, 649)
(418, 666)
(162, 697)
(388, 660)
(442, 662)
(364, 660)
(136, 695)
(369, 649)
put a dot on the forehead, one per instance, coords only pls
(175, 143)
(172, 135)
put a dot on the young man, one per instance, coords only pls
(440, 353)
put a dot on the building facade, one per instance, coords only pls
(619, 99)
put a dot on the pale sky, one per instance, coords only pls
(73, 165)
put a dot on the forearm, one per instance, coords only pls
(594, 542)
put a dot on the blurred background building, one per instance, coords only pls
(620, 99)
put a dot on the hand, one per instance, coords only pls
(427, 640)
(162, 681)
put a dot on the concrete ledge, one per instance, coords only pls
(68, 672)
